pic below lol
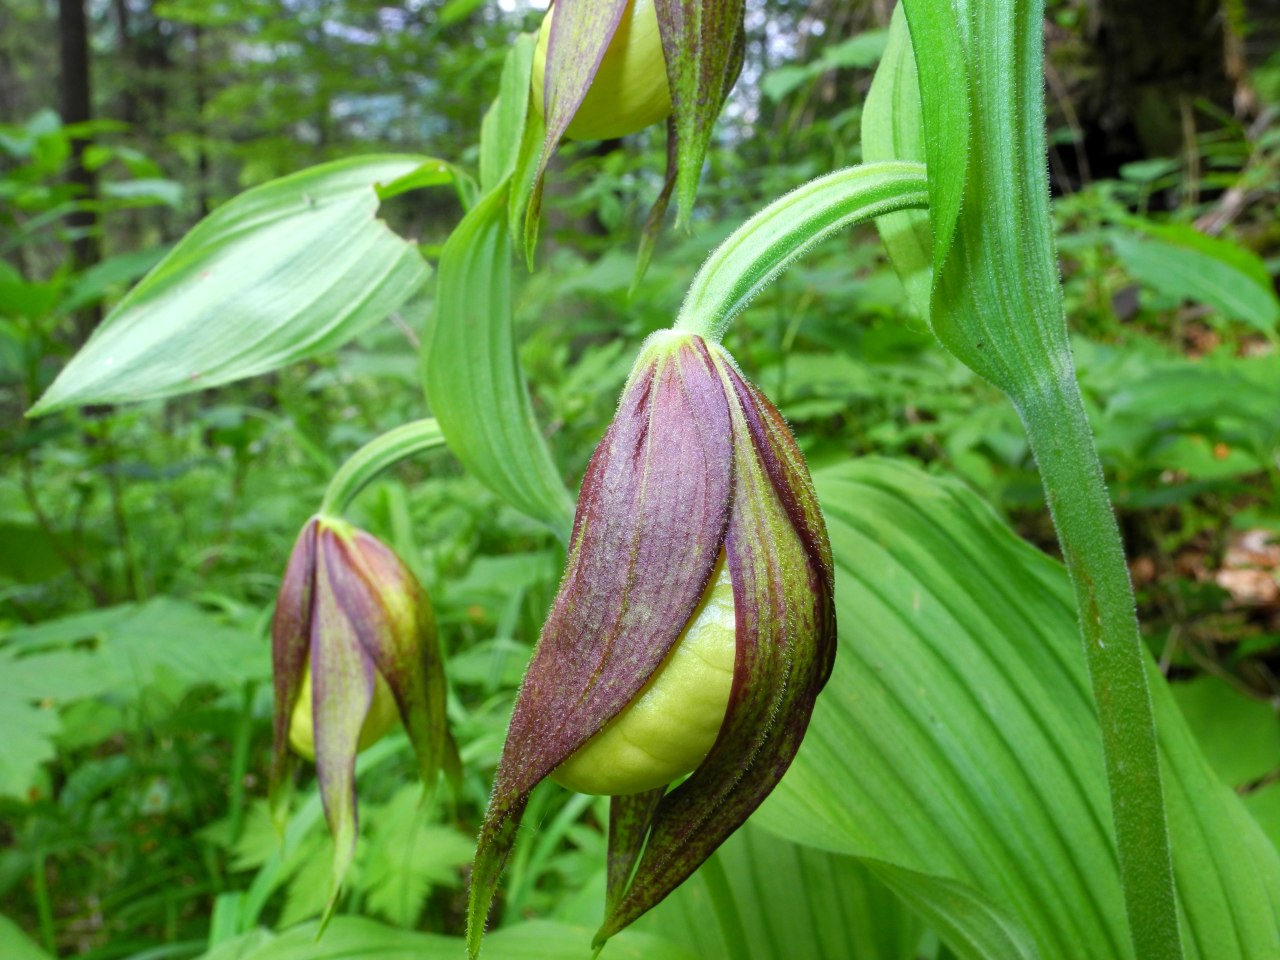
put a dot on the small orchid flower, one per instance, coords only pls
(354, 651)
(691, 634)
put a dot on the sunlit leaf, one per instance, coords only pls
(283, 272)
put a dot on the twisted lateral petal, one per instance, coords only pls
(650, 523)
(703, 43)
(780, 562)
(342, 692)
(395, 624)
(289, 652)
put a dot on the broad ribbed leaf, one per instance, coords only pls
(957, 741)
(504, 123)
(762, 898)
(285, 271)
(758, 251)
(355, 938)
(474, 383)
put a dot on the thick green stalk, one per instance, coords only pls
(1062, 442)
(378, 455)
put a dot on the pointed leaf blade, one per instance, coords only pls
(473, 378)
(283, 272)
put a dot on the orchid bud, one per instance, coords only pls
(629, 91)
(354, 651)
(691, 634)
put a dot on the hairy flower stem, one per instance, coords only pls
(1062, 442)
(374, 457)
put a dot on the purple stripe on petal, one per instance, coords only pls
(779, 563)
(393, 620)
(650, 523)
(342, 678)
(290, 642)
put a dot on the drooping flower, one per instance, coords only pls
(629, 90)
(354, 651)
(692, 632)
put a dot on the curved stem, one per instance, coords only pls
(758, 252)
(379, 454)
(1075, 487)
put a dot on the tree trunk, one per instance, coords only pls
(75, 95)
(1144, 68)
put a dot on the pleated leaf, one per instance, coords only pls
(762, 898)
(283, 272)
(504, 123)
(956, 747)
(473, 378)
(891, 132)
(356, 938)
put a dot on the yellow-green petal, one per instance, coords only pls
(629, 91)
(668, 728)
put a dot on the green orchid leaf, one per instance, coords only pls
(956, 748)
(970, 924)
(1201, 275)
(504, 124)
(472, 374)
(757, 252)
(774, 900)
(285, 271)
(355, 938)
(892, 132)
(939, 28)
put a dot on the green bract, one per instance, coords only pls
(618, 697)
(354, 635)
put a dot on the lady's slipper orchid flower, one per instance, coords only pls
(629, 90)
(691, 634)
(354, 649)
